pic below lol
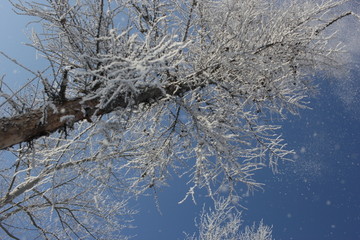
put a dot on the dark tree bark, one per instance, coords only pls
(42, 122)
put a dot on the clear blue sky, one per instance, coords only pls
(317, 197)
(13, 29)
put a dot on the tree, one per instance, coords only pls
(135, 91)
(224, 222)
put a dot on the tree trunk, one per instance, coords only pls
(42, 122)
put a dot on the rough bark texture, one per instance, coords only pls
(42, 122)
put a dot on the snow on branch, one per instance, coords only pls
(136, 91)
(225, 222)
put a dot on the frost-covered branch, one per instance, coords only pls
(225, 222)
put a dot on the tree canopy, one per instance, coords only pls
(135, 91)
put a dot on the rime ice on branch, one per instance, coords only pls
(191, 87)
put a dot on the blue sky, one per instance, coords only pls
(13, 29)
(316, 197)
